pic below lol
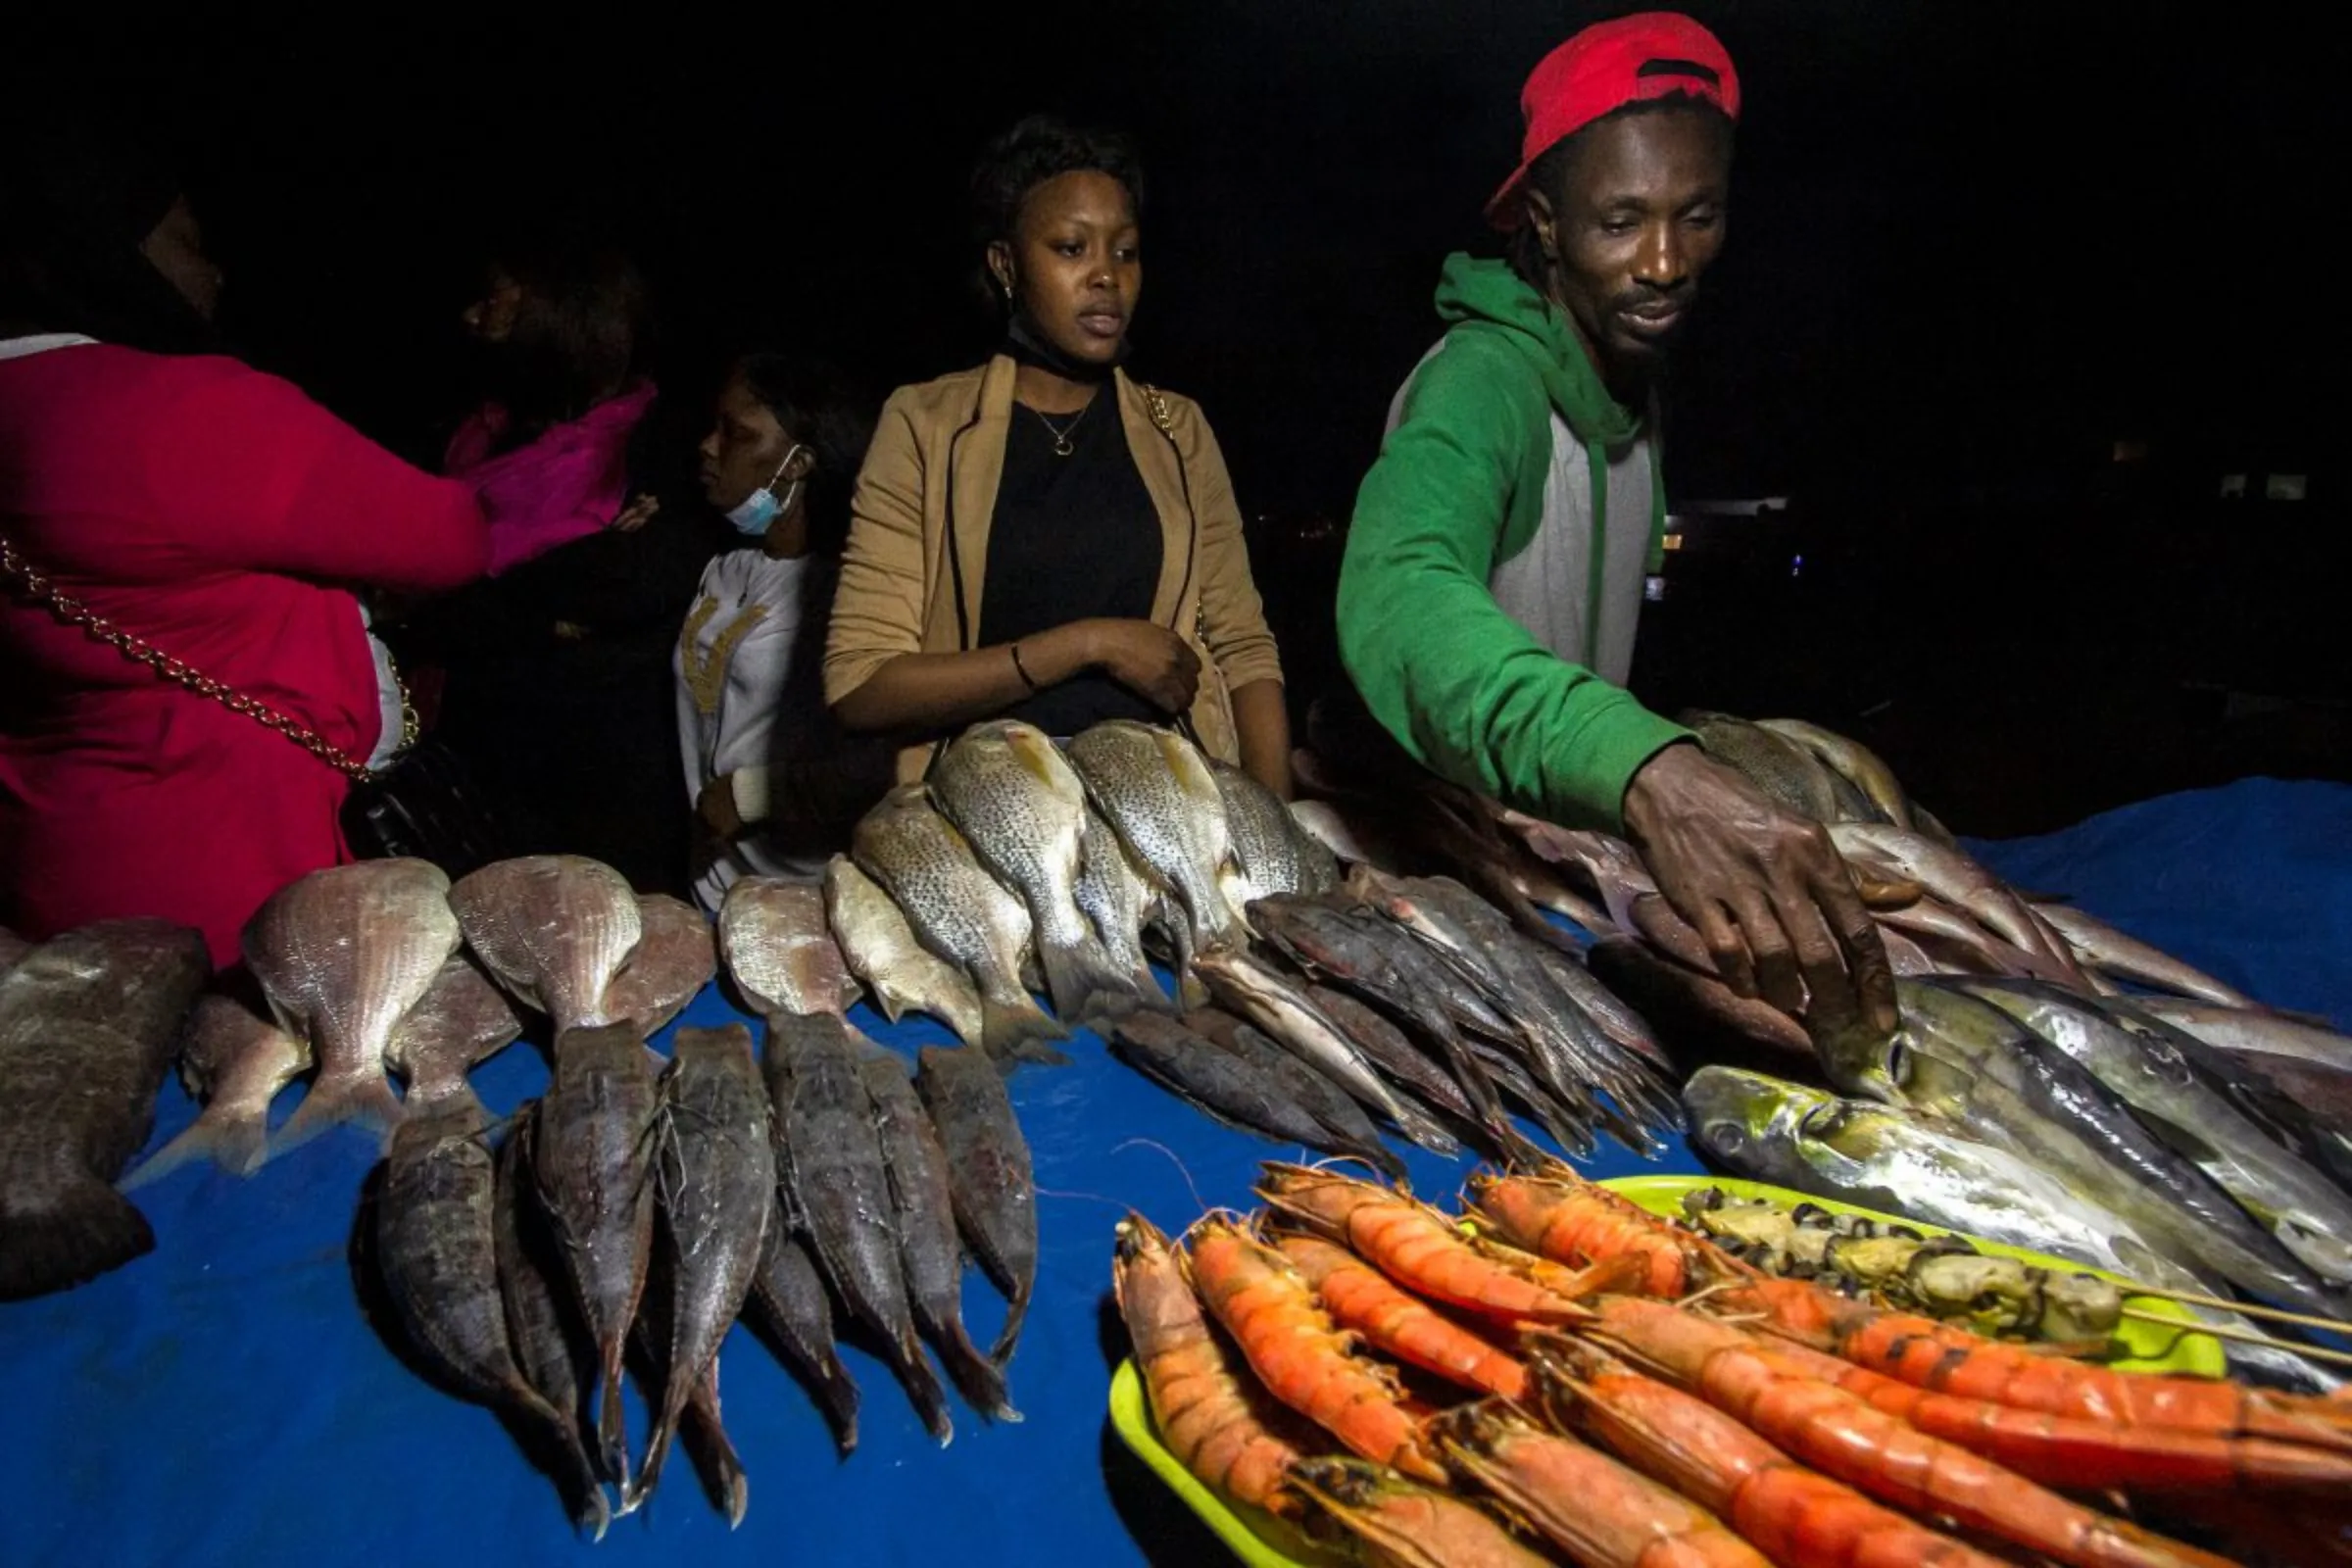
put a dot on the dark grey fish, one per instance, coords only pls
(552, 1345)
(436, 1248)
(592, 1150)
(1347, 1129)
(993, 1192)
(841, 1180)
(1553, 1114)
(790, 1301)
(87, 1023)
(235, 1062)
(1241, 1091)
(1388, 1048)
(929, 1250)
(717, 1185)
(462, 1020)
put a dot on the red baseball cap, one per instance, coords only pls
(1604, 68)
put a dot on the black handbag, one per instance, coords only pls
(421, 804)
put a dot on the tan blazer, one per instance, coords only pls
(911, 575)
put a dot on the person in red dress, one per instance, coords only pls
(208, 508)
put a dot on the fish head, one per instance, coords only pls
(1753, 1122)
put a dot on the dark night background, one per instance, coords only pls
(1975, 247)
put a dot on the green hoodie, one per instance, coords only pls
(1459, 489)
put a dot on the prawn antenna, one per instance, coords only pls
(1181, 1168)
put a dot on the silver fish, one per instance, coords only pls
(1271, 852)
(779, 948)
(959, 912)
(1163, 799)
(882, 950)
(1119, 898)
(343, 954)
(235, 1063)
(2103, 948)
(554, 929)
(1023, 813)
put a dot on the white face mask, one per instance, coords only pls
(763, 506)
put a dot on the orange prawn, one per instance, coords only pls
(1845, 1438)
(1291, 1346)
(1936, 1356)
(1361, 1298)
(1407, 1525)
(1411, 1243)
(1214, 1418)
(1797, 1517)
(1570, 1220)
(2075, 1454)
(1602, 1514)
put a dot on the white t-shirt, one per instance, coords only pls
(748, 664)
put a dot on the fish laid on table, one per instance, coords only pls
(12, 948)
(554, 929)
(235, 1063)
(2103, 948)
(1952, 875)
(87, 1023)
(789, 1299)
(550, 1345)
(930, 1251)
(989, 1176)
(718, 1197)
(1338, 1112)
(1159, 794)
(882, 950)
(343, 954)
(1022, 810)
(1271, 852)
(2174, 1091)
(1238, 1090)
(840, 1180)
(1965, 1063)
(1859, 1153)
(673, 960)
(436, 1248)
(779, 948)
(1119, 899)
(1852, 762)
(1786, 772)
(1691, 1005)
(959, 912)
(1390, 1052)
(1258, 993)
(592, 1153)
(462, 1020)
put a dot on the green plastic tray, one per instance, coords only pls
(1260, 1539)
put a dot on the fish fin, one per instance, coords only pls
(90, 1229)
(592, 1512)
(839, 1392)
(1192, 994)
(922, 1386)
(1014, 1034)
(980, 1380)
(1083, 984)
(364, 1100)
(238, 1144)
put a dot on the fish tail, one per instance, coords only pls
(838, 1392)
(1084, 985)
(922, 1384)
(981, 1380)
(612, 1429)
(236, 1141)
(641, 1486)
(90, 1229)
(1002, 1352)
(591, 1512)
(363, 1098)
(1016, 1032)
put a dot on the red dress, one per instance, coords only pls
(216, 512)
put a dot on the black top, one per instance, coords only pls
(1072, 538)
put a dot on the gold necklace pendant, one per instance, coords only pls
(1062, 444)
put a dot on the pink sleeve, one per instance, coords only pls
(270, 481)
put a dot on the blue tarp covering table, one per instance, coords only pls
(227, 1400)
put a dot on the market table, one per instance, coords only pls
(228, 1401)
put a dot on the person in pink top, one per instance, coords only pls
(216, 512)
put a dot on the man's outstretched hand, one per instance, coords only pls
(1765, 889)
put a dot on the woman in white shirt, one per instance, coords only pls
(774, 782)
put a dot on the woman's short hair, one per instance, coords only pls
(819, 407)
(1039, 148)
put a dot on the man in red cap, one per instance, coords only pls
(1494, 566)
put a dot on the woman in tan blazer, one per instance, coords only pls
(1044, 537)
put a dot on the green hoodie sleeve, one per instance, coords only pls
(1458, 683)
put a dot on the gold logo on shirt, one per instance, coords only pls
(706, 673)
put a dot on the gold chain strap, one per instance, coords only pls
(74, 613)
